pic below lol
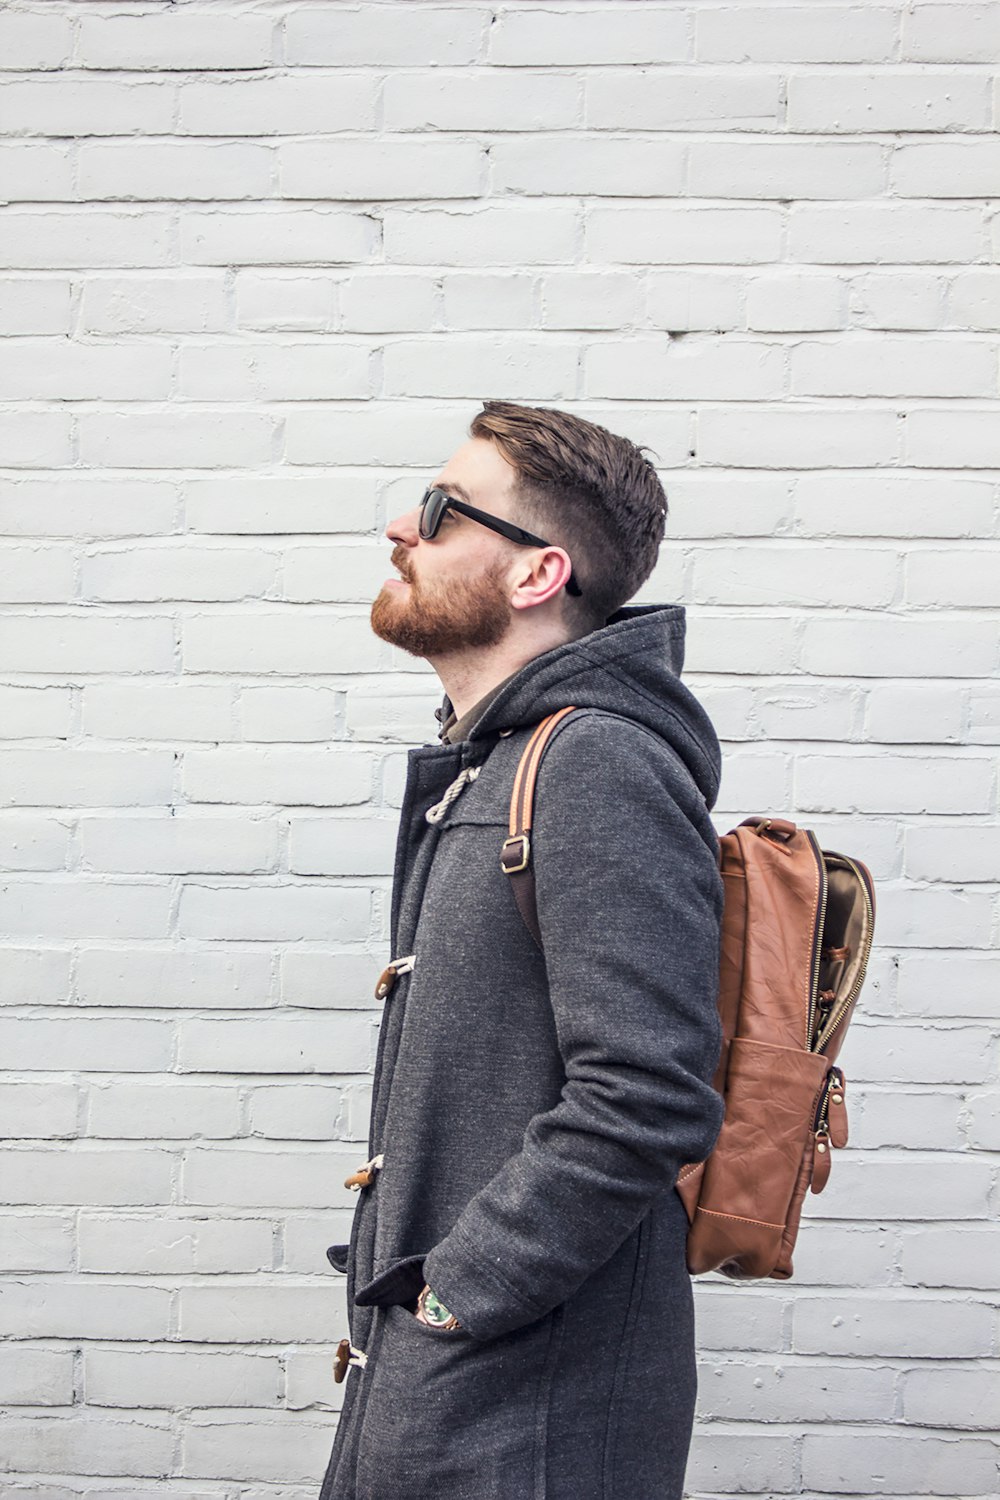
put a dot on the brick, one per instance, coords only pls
(54, 239)
(157, 711)
(884, 366)
(169, 41)
(33, 976)
(78, 507)
(792, 574)
(381, 168)
(181, 571)
(716, 647)
(667, 235)
(430, 37)
(43, 777)
(293, 777)
(898, 300)
(37, 1377)
(951, 33)
(78, 106)
(703, 504)
(973, 299)
(36, 575)
(283, 300)
(946, 984)
(85, 1175)
(168, 1243)
(288, 714)
(282, 236)
(168, 1378)
(36, 1242)
(713, 369)
(788, 300)
(342, 846)
(729, 709)
(735, 1462)
(902, 784)
(883, 1464)
(179, 303)
(949, 1397)
(307, 1377)
(913, 712)
(38, 1110)
(307, 1235)
(761, 1318)
(296, 104)
(330, 979)
(148, 172)
(275, 913)
(881, 233)
(844, 101)
(190, 439)
(959, 854)
(795, 33)
(952, 1257)
(88, 1444)
(828, 1254)
(275, 1452)
(949, 577)
(86, 1044)
(286, 503)
(45, 369)
(35, 41)
(678, 99)
(329, 370)
(512, 368)
(984, 715)
(946, 169)
(35, 174)
(341, 573)
(570, 299)
(755, 437)
(818, 713)
(793, 1390)
(296, 1178)
(168, 845)
(898, 646)
(753, 779)
(275, 641)
(917, 1053)
(33, 439)
(291, 1113)
(87, 643)
(72, 908)
(903, 1326)
(984, 1120)
(497, 235)
(792, 169)
(396, 302)
(474, 99)
(171, 978)
(276, 1044)
(537, 165)
(390, 712)
(161, 1111)
(915, 1119)
(34, 305)
(896, 506)
(627, 34)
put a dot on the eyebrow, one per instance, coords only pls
(455, 489)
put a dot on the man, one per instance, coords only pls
(520, 1313)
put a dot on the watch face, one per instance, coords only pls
(435, 1311)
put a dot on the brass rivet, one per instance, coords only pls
(821, 1146)
(837, 1098)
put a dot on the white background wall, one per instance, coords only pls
(261, 264)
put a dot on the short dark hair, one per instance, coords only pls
(588, 490)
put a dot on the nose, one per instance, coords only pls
(405, 528)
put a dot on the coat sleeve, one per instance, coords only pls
(630, 902)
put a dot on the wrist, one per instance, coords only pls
(432, 1311)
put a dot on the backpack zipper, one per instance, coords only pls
(840, 1012)
(817, 939)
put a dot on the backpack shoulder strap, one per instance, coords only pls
(515, 853)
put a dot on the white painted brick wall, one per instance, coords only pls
(258, 266)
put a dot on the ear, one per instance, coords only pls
(538, 576)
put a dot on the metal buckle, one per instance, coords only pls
(509, 844)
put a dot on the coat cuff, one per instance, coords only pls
(482, 1301)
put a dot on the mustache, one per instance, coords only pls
(399, 561)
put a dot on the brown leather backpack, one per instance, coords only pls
(797, 929)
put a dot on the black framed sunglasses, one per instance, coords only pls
(436, 503)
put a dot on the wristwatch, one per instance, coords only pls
(430, 1309)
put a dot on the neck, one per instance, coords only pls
(467, 676)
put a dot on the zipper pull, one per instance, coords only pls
(837, 1110)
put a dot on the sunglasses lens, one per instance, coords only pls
(432, 509)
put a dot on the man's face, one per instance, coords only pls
(453, 591)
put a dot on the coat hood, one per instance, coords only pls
(630, 666)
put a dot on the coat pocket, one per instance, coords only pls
(337, 1256)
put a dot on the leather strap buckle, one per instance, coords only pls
(516, 847)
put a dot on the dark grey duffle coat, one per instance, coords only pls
(532, 1114)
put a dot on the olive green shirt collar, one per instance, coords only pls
(454, 729)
